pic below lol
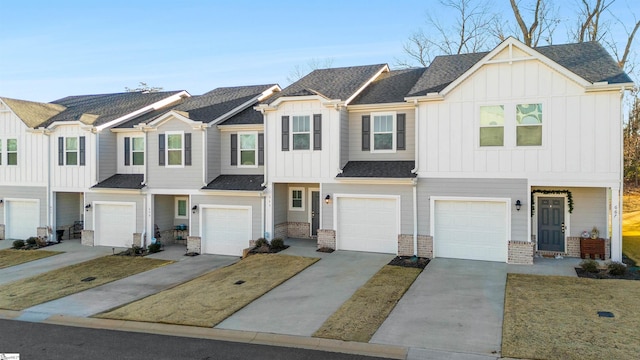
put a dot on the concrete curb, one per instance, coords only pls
(347, 347)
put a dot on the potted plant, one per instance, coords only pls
(595, 233)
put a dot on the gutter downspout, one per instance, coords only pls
(204, 156)
(143, 236)
(264, 195)
(49, 194)
(415, 180)
(415, 217)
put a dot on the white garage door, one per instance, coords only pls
(367, 224)
(114, 224)
(225, 231)
(22, 218)
(475, 230)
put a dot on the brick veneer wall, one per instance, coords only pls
(194, 244)
(281, 230)
(573, 246)
(300, 230)
(137, 239)
(326, 239)
(87, 237)
(520, 252)
(607, 249)
(425, 245)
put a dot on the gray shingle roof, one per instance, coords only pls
(335, 83)
(248, 116)
(378, 169)
(122, 181)
(389, 87)
(107, 107)
(236, 182)
(589, 60)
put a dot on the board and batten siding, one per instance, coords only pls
(73, 177)
(514, 189)
(355, 138)
(91, 197)
(27, 193)
(302, 165)
(404, 191)
(253, 201)
(184, 177)
(225, 157)
(581, 131)
(130, 169)
(32, 163)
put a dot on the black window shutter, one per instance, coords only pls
(187, 149)
(285, 133)
(82, 147)
(366, 125)
(317, 132)
(60, 150)
(260, 149)
(127, 151)
(234, 149)
(400, 132)
(160, 149)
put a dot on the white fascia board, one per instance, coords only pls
(63, 123)
(278, 101)
(385, 68)
(140, 192)
(155, 106)
(386, 106)
(177, 115)
(424, 98)
(605, 86)
(265, 94)
(243, 127)
(384, 181)
(247, 193)
(126, 130)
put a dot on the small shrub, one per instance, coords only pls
(589, 265)
(32, 240)
(277, 244)
(154, 248)
(41, 242)
(18, 244)
(617, 268)
(261, 242)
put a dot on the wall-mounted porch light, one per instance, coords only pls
(194, 209)
(87, 207)
(518, 205)
(1, 201)
(327, 199)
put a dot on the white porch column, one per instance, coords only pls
(148, 213)
(268, 213)
(616, 225)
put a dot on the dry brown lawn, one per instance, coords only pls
(58, 283)
(360, 316)
(212, 297)
(555, 317)
(12, 257)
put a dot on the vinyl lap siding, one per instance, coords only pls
(355, 138)
(108, 150)
(213, 153)
(225, 158)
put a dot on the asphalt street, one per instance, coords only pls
(51, 342)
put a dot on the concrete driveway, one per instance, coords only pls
(454, 306)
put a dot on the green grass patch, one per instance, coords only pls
(361, 316)
(12, 257)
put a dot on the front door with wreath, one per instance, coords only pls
(551, 224)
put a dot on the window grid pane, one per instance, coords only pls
(296, 198)
(175, 157)
(247, 157)
(247, 142)
(72, 158)
(182, 207)
(174, 142)
(137, 158)
(12, 145)
(137, 144)
(529, 124)
(71, 143)
(492, 136)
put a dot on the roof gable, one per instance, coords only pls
(32, 113)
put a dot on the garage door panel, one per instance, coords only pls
(367, 224)
(22, 218)
(475, 230)
(226, 231)
(114, 224)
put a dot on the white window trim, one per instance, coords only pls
(177, 200)
(68, 151)
(510, 126)
(166, 148)
(7, 152)
(255, 135)
(310, 132)
(394, 134)
(291, 190)
(131, 151)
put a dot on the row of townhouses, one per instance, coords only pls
(490, 156)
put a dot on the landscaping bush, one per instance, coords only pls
(617, 268)
(589, 265)
(154, 248)
(261, 242)
(18, 244)
(277, 244)
(32, 240)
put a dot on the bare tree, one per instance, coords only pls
(543, 23)
(589, 17)
(143, 87)
(298, 71)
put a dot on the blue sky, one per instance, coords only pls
(54, 48)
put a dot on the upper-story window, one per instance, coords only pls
(248, 149)
(174, 149)
(133, 151)
(299, 131)
(71, 150)
(492, 125)
(529, 124)
(386, 134)
(11, 150)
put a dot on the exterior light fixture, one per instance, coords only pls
(327, 199)
(194, 209)
(87, 207)
(518, 205)
(1, 201)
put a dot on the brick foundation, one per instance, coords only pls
(299, 230)
(573, 249)
(1, 231)
(326, 239)
(573, 246)
(520, 252)
(280, 230)
(87, 238)
(425, 245)
(194, 244)
(607, 249)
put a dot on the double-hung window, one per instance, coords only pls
(492, 125)
(296, 199)
(529, 124)
(137, 151)
(248, 149)
(71, 150)
(174, 149)
(181, 207)
(301, 130)
(12, 151)
(383, 130)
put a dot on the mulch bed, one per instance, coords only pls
(325, 250)
(631, 274)
(410, 261)
(267, 250)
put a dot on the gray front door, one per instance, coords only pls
(551, 223)
(315, 212)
